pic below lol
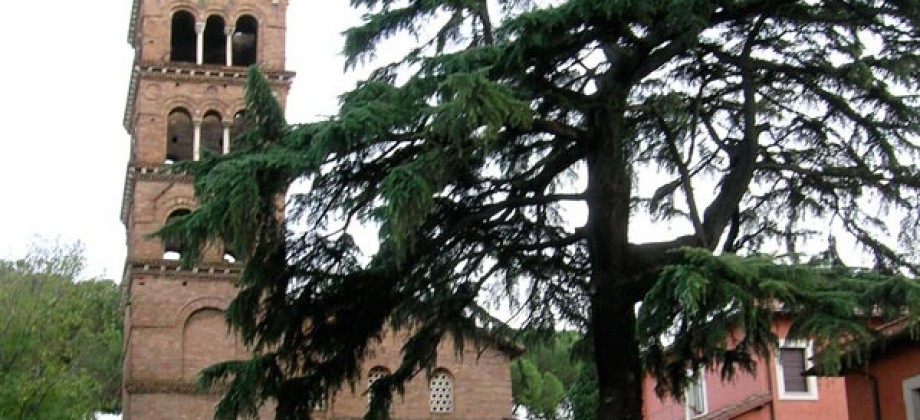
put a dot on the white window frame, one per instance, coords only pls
(701, 379)
(810, 381)
(909, 388)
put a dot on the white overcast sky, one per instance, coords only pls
(64, 69)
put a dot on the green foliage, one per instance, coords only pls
(582, 395)
(60, 337)
(708, 312)
(554, 378)
(466, 154)
(539, 392)
(542, 377)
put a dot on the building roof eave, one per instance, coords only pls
(746, 405)
(894, 333)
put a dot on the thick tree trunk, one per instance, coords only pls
(613, 320)
(619, 373)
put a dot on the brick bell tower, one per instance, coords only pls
(185, 96)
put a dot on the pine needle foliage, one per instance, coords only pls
(748, 126)
(717, 312)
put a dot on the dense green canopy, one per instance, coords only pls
(746, 125)
(60, 338)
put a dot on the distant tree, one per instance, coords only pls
(542, 378)
(539, 392)
(60, 337)
(748, 124)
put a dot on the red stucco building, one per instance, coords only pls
(777, 391)
(882, 383)
(885, 383)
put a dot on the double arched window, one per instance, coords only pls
(185, 138)
(213, 43)
(440, 388)
(175, 249)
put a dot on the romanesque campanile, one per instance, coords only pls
(184, 100)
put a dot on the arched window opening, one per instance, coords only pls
(245, 41)
(180, 136)
(215, 42)
(238, 126)
(182, 38)
(372, 376)
(212, 132)
(172, 248)
(441, 392)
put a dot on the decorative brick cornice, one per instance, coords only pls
(206, 72)
(132, 95)
(158, 173)
(187, 72)
(177, 386)
(174, 270)
(132, 25)
(137, 172)
(126, 192)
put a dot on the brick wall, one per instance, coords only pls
(153, 28)
(174, 316)
(179, 328)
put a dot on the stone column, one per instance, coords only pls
(225, 144)
(228, 31)
(199, 43)
(196, 140)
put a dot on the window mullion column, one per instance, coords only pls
(228, 31)
(199, 43)
(225, 140)
(196, 140)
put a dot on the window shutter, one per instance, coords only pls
(793, 361)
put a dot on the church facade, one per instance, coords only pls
(185, 99)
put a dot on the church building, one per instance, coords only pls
(186, 99)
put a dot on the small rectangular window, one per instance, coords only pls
(915, 403)
(792, 360)
(911, 389)
(695, 396)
